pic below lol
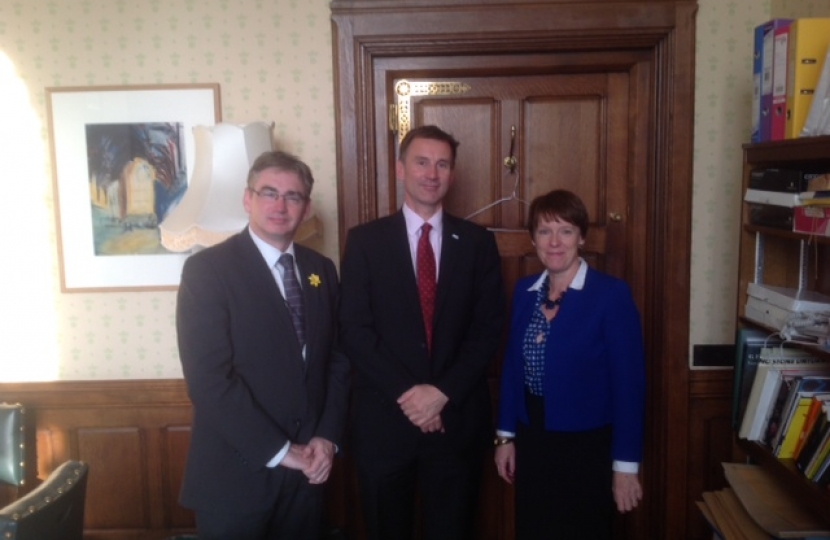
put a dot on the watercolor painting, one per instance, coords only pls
(137, 174)
(122, 160)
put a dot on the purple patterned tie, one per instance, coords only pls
(293, 295)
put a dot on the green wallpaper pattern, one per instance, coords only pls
(723, 101)
(273, 62)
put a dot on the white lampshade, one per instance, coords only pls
(211, 209)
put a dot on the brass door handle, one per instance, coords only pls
(510, 161)
(614, 216)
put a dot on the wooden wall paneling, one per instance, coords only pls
(175, 442)
(117, 490)
(133, 434)
(710, 441)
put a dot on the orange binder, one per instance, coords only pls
(807, 47)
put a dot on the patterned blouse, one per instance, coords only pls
(533, 347)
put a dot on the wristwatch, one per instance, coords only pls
(499, 441)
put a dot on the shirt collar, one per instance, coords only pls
(577, 283)
(269, 252)
(414, 221)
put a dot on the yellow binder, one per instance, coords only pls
(808, 42)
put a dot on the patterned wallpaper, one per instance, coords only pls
(272, 60)
(723, 100)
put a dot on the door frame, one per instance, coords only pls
(364, 31)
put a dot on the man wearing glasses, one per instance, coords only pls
(256, 332)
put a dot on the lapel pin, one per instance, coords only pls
(455, 236)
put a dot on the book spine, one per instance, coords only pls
(757, 75)
(766, 79)
(778, 122)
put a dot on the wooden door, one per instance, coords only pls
(521, 136)
(645, 49)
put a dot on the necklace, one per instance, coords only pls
(550, 304)
(549, 308)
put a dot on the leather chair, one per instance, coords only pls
(12, 444)
(12, 451)
(52, 511)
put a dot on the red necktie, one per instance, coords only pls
(425, 262)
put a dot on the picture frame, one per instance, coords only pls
(121, 158)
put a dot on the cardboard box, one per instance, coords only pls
(770, 215)
(818, 183)
(761, 311)
(791, 300)
(812, 220)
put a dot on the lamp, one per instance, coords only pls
(211, 209)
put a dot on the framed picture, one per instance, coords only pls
(122, 157)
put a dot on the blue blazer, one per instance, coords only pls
(594, 363)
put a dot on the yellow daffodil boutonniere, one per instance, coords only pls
(314, 279)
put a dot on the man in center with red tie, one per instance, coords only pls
(422, 312)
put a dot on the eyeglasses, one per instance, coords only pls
(271, 196)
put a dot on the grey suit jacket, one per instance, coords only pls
(251, 389)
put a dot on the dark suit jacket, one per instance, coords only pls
(383, 334)
(250, 387)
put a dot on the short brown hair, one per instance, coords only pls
(428, 132)
(282, 161)
(558, 204)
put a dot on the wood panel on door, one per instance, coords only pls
(564, 131)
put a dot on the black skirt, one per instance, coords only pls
(563, 481)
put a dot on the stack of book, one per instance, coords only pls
(812, 215)
(782, 400)
(756, 507)
(798, 315)
(790, 199)
(791, 79)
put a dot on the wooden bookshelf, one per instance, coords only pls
(805, 150)
(791, 260)
(769, 231)
(809, 494)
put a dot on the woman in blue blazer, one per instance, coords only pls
(570, 426)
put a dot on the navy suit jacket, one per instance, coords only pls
(251, 389)
(383, 334)
(594, 363)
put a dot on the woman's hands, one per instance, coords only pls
(627, 491)
(506, 461)
(625, 486)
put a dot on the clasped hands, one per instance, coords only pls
(422, 404)
(313, 459)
